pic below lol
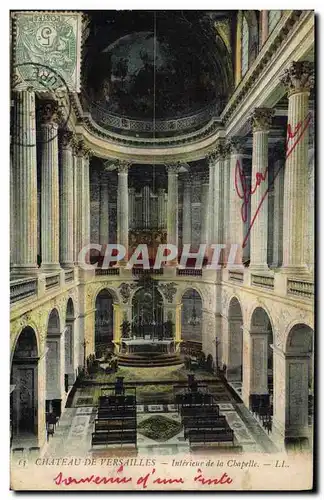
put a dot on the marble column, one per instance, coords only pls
(95, 207)
(76, 221)
(82, 196)
(50, 208)
(186, 212)
(25, 179)
(131, 201)
(122, 205)
(104, 209)
(66, 201)
(218, 159)
(298, 79)
(261, 121)
(278, 201)
(161, 208)
(172, 206)
(210, 238)
(226, 193)
(204, 217)
(235, 233)
(178, 324)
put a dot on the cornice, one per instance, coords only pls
(268, 51)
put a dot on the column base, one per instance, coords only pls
(67, 265)
(295, 270)
(259, 268)
(50, 267)
(23, 271)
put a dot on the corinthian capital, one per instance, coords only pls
(49, 112)
(262, 118)
(173, 168)
(67, 139)
(299, 77)
(122, 166)
(81, 149)
(236, 145)
(218, 152)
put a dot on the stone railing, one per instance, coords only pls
(112, 271)
(236, 276)
(262, 281)
(22, 288)
(189, 272)
(69, 276)
(52, 281)
(137, 271)
(124, 123)
(300, 288)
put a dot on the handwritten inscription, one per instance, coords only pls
(241, 185)
(143, 481)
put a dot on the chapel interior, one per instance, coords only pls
(190, 128)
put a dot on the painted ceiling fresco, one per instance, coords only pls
(146, 66)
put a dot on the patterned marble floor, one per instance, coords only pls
(73, 434)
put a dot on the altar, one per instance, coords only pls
(147, 346)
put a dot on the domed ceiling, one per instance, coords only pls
(159, 65)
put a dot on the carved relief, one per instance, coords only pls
(168, 290)
(125, 290)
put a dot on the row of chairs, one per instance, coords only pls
(201, 420)
(116, 420)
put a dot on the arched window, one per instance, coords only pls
(245, 46)
(273, 18)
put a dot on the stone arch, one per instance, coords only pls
(191, 315)
(295, 386)
(104, 320)
(258, 380)
(24, 388)
(54, 323)
(54, 359)
(112, 291)
(234, 370)
(70, 345)
(15, 334)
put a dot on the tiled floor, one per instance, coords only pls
(73, 435)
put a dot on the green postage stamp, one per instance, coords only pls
(46, 45)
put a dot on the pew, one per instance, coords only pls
(202, 423)
(209, 435)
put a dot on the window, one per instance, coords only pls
(273, 18)
(245, 46)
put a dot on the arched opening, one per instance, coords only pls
(55, 365)
(299, 381)
(191, 317)
(104, 322)
(70, 372)
(147, 314)
(234, 370)
(23, 390)
(261, 369)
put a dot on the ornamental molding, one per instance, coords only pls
(264, 59)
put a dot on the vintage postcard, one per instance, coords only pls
(162, 250)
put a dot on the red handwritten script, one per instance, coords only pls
(241, 186)
(142, 481)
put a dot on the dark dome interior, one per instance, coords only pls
(154, 64)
